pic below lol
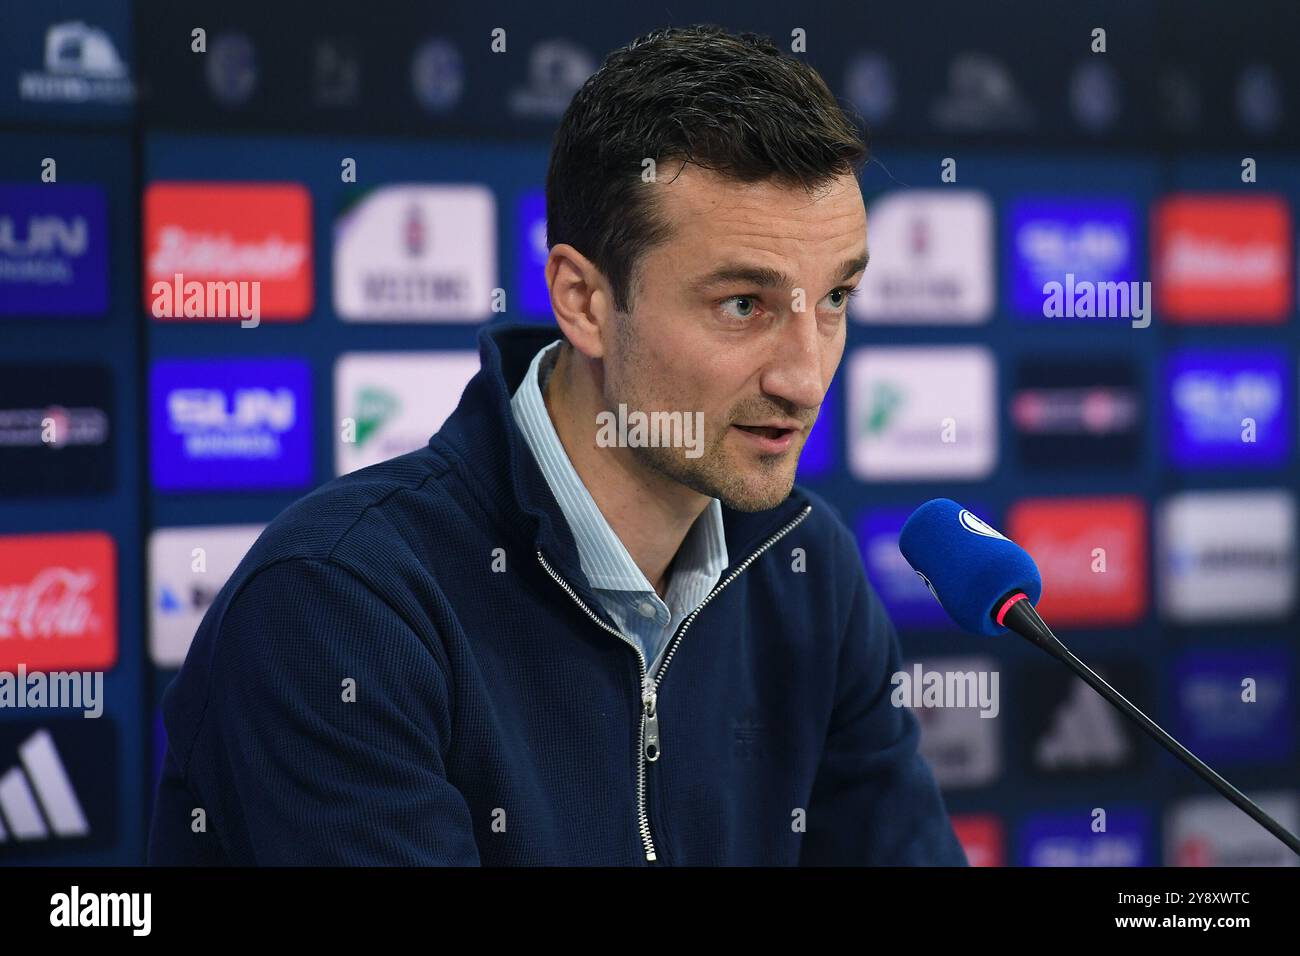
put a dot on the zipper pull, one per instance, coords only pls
(650, 722)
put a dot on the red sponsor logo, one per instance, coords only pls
(1222, 258)
(1092, 554)
(58, 601)
(231, 232)
(980, 835)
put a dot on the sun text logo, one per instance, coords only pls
(53, 250)
(231, 423)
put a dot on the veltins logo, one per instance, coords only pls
(58, 601)
(417, 253)
(53, 250)
(212, 234)
(932, 259)
(230, 424)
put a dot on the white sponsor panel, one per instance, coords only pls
(931, 259)
(417, 253)
(1226, 555)
(390, 403)
(1211, 831)
(187, 567)
(922, 412)
(963, 748)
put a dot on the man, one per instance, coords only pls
(558, 636)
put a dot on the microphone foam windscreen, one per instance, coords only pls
(968, 565)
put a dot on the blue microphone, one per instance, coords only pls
(989, 585)
(972, 569)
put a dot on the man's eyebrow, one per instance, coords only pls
(853, 266)
(766, 278)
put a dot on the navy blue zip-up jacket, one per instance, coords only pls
(409, 667)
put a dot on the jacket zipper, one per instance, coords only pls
(648, 735)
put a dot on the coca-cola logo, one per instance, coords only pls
(1092, 554)
(55, 603)
(58, 601)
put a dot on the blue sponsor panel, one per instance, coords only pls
(1052, 239)
(230, 424)
(908, 600)
(1236, 705)
(1123, 837)
(53, 251)
(531, 254)
(1228, 408)
(1058, 409)
(819, 457)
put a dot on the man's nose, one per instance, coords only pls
(795, 370)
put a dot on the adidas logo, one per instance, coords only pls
(37, 801)
(1085, 732)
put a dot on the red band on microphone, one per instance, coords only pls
(1018, 596)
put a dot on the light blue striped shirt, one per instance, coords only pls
(623, 590)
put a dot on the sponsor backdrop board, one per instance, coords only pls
(1006, 350)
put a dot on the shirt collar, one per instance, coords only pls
(604, 558)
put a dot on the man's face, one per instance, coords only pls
(741, 316)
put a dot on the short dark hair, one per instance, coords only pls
(732, 103)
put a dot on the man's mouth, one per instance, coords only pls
(765, 431)
(768, 439)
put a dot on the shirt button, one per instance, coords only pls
(647, 609)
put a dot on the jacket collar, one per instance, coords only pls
(481, 433)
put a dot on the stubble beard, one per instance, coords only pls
(751, 483)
